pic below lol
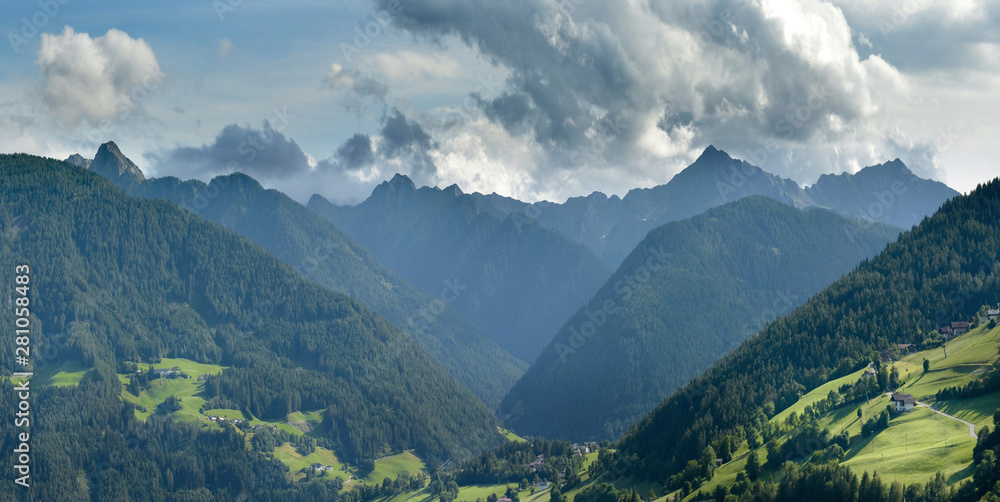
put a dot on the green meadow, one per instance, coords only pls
(189, 390)
(511, 436)
(968, 356)
(287, 455)
(60, 375)
(391, 467)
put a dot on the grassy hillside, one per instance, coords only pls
(916, 445)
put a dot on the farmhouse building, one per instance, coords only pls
(903, 402)
(959, 327)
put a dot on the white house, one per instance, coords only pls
(903, 402)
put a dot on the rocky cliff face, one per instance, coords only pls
(115, 166)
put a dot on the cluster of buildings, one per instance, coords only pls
(949, 331)
(163, 372)
(584, 448)
(224, 420)
(240, 421)
(959, 327)
(317, 467)
(537, 463)
(906, 402)
(956, 328)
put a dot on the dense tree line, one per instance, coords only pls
(606, 492)
(944, 269)
(990, 382)
(509, 463)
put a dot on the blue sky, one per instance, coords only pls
(534, 99)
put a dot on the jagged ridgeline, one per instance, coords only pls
(946, 268)
(132, 280)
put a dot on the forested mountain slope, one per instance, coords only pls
(117, 279)
(943, 270)
(689, 293)
(514, 279)
(323, 253)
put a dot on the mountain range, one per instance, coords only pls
(611, 226)
(323, 253)
(424, 304)
(514, 279)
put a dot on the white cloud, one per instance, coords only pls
(226, 47)
(355, 88)
(410, 67)
(94, 79)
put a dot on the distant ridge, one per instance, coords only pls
(612, 226)
(78, 160)
(513, 278)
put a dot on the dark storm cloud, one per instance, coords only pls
(404, 140)
(264, 153)
(356, 152)
(558, 83)
(509, 109)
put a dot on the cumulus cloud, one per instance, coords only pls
(401, 146)
(356, 88)
(93, 79)
(671, 78)
(264, 153)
